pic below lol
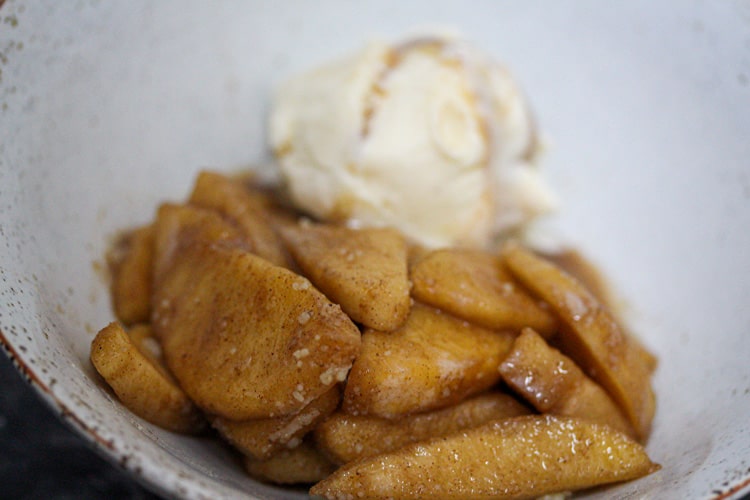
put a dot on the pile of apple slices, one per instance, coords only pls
(369, 367)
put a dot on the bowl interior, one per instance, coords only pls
(108, 108)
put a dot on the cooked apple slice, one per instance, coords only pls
(433, 361)
(130, 262)
(590, 336)
(140, 383)
(472, 285)
(264, 437)
(363, 270)
(301, 465)
(580, 268)
(553, 383)
(343, 437)
(521, 457)
(250, 209)
(178, 227)
(245, 338)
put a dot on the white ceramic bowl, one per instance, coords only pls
(108, 107)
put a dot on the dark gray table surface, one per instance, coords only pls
(41, 458)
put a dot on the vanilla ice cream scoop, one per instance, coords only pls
(429, 137)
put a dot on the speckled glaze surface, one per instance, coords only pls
(106, 108)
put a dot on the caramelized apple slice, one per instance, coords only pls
(553, 383)
(301, 465)
(249, 209)
(264, 437)
(590, 336)
(580, 268)
(140, 383)
(521, 457)
(472, 285)
(245, 338)
(434, 360)
(363, 270)
(178, 227)
(343, 437)
(130, 262)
